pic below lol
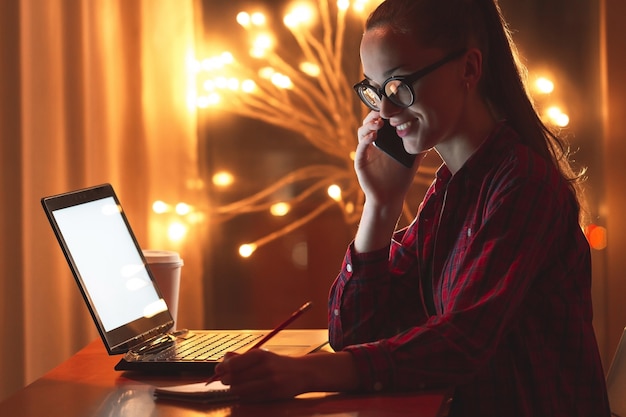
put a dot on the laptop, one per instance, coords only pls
(125, 302)
(616, 379)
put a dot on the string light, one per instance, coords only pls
(176, 231)
(223, 179)
(280, 209)
(312, 98)
(543, 89)
(544, 86)
(334, 192)
(160, 207)
(247, 250)
(178, 219)
(183, 209)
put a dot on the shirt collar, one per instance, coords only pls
(501, 137)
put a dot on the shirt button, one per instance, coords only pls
(378, 386)
(336, 312)
(349, 267)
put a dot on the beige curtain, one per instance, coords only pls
(93, 91)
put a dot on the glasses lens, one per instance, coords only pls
(399, 93)
(369, 96)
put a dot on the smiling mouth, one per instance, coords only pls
(404, 126)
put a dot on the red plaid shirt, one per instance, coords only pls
(497, 252)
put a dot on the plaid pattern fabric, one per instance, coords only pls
(498, 250)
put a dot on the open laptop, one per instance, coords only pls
(616, 379)
(125, 302)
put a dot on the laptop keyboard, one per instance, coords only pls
(202, 347)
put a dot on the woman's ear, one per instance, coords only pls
(473, 67)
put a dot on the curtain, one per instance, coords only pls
(93, 91)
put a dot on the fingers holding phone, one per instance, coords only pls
(378, 131)
(382, 177)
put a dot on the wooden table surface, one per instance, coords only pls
(87, 385)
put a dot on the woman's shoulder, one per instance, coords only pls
(513, 165)
(507, 155)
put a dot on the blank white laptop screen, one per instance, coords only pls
(108, 262)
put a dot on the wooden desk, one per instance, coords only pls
(87, 385)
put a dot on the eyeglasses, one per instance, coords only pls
(398, 89)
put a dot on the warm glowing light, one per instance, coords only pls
(290, 92)
(193, 68)
(280, 209)
(210, 64)
(258, 19)
(360, 6)
(206, 101)
(557, 116)
(214, 99)
(343, 4)
(300, 14)
(209, 85)
(596, 235)
(216, 62)
(232, 84)
(160, 207)
(194, 65)
(221, 82)
(310, 69)
(544, 85)
(243, 18)
(263, 42)
(248, 86)
(334, 191)
(183, 209)
(257, 53)
(562, 120)
(177, 231)
(227, 58)
(202, 102)
(247, 250)
(266, 73)
(223, 179)
(281, 81)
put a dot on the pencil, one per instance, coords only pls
(274, 332)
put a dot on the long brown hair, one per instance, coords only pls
(456, 24)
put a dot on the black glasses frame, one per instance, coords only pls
(407, 80)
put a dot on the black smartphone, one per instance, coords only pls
(388, 141)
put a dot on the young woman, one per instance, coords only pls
(488, 290)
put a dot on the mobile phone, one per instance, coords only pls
(388, 141)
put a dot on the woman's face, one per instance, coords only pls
(435, 115)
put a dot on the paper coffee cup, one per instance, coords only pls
(165, 267)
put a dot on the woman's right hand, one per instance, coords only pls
(385, 183)
(383, 180)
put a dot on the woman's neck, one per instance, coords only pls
(472, 130)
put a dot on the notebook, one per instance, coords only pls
(125, 302)
(198, 392)
(616, 379)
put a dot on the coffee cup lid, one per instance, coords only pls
(162, 256)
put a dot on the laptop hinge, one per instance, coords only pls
(142, 338)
